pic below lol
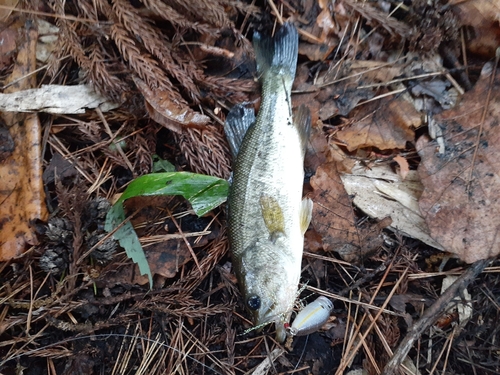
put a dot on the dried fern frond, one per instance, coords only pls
(95, 70)
(171, 15)
(87, 10)
(146, 67)
(147, 51)
(206, 150)
(155, 44)
(106, 83)
(230, 88)
(207, 11)
(69, 42)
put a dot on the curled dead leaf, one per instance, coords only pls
(167, 112)
(381, 193)
(404, 167)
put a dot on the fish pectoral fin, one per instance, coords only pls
(305, 214)
(238, 120)
(302, 122)
(272, 215)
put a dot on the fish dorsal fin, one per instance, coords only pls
(302, 121)
(238, 120)
(305, 214)
(272, 215)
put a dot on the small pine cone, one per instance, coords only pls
(98, 208)
(54, 260)
(104, 252)
(59, 231)
(95, 214)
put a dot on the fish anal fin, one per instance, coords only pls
(302, 121)
(305, 214)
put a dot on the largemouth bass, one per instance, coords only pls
(267, 216)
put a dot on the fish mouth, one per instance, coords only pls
(270, 317)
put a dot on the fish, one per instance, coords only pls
(312, 317)
(267, 217)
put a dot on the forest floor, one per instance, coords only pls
(401, 167)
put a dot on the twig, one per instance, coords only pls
(193, 254)
(432, 314)
(265, 365)
(353, 350)
(46, 14)
(115, 143)
(349, 300)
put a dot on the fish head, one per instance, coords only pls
(269, 285)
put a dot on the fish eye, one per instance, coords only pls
(253, 302)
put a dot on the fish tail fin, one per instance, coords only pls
(279, 53)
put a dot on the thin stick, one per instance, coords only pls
(432, 314)
(353, 351)
(30, 311)
(276, 12)
(349, 300)
(185, 240)
(45, 14)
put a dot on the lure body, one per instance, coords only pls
(312, 317)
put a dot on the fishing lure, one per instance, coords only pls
(311, 318)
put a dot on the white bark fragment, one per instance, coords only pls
(55, 99)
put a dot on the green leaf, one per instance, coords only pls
(203, 192)
(160, 165)
(127, 237)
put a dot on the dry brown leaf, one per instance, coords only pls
(386, 124)
(338, 91)
(319, 31)
(6, 12)
(375, 71)
(317, 152)
(21, 186)
(8, 46)
(333, 217)
(484, 17)
(460, 201)
(305, 93)
(164, 246)
(319, 34)
(167, 112)
(376, 16)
